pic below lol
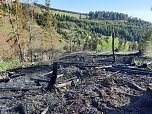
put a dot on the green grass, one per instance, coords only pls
(148, 54)
(125, 52)
(68, 14)
(6, 65)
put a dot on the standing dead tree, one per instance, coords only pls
(72, 37)
(49, 26)
(113, 47)
(31, 20)
(18, 25)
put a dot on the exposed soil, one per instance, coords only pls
(94, 90)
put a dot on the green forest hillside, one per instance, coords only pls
(72, 31)
(42, 40)
(93, 31)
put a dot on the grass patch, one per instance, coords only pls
(6, 65)
(126, 52)
(148, 54)
(68, 14)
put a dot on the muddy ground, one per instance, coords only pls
(94, 90)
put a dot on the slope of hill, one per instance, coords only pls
(63, 12)
(92, 31)
(42, 40)
(128, 30)
(82, 31)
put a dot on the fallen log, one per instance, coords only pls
(80, 65)
(130, 70)
(19, 88)
(92, 65)
(104, 67)
(63, 84)
(45, 110)
(15, 75)
(39, 80)
(48, 73)
(135, 86)
(10, 76)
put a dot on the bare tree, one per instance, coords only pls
(71, 38)
(31, 30)
(49, 26)
(17, 25)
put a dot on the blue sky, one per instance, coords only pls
(135, 8)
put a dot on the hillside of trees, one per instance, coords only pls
(21, 38)
(67, 30)
(93, 31)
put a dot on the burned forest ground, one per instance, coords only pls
(86, 84)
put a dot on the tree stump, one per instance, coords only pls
(53, 77)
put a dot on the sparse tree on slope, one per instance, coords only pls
(18, 25)
(49, 25)
(146, 44)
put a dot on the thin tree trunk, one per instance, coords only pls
(31, 36)
(17, 33)
(30, 45)
(21, 56)
(52, 49)
(70, 45)
(113, 47)
(18, 37)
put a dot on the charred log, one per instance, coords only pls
(19, 88)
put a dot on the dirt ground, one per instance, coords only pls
(93, 90)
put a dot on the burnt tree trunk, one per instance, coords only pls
(113, 47)
(22, 109)
(53, 77)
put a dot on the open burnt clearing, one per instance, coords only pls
(85, 84)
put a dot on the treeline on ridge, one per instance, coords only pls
(100, 24)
